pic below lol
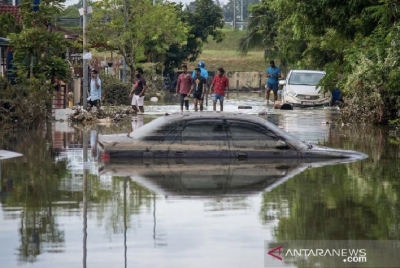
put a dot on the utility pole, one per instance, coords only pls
(241, 11)
(85, 64)
(234, 15)
(125, 25)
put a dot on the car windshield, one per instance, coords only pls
(307, 79)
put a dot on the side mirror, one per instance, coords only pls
(282, 82)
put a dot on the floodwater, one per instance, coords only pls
(60, 207)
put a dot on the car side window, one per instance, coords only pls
(204, 133)
(246, 135)
(165, 134)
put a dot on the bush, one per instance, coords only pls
(115, 92)
(25, 105)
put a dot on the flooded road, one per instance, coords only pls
(60, 207)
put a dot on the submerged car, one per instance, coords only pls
(300, 89)
(213, 135)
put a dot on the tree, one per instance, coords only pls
(262, 29)
(8, 25)
(37, 48)
(136, 29)
(37, 61)
(347, 40)
(204, 19)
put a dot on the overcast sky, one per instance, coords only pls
(72, 2)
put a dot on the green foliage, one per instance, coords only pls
(8, 25)
(261, 30)
(137, 29)
(354, 42)
(204, 21)
(342, 202)
(25, 105)
(114, 91)
(37, 61)
(37, 49)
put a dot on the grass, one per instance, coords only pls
(225, 54)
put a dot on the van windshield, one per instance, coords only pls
(306, 79)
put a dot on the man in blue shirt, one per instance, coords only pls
(203, 70)
(273, 74)
(95, 89)
(336, 99)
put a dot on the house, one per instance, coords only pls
(11, 7)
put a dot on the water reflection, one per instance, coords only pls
(209, 177)
(33, 193)
(58, 210)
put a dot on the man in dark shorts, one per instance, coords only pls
(273, 74)
(198, 89)
(183, 86)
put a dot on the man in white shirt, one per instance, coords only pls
(95, 89)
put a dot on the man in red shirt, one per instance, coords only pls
(183, 86)
(220, 84)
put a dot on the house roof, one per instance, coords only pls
(13, 10)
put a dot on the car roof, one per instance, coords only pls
(184, 117)
(308, 71)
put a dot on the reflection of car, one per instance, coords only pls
(213, 135)
(207, 177)
(300, 89)
(8, 154)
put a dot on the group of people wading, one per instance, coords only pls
(195, 86)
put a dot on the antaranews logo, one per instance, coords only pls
(350, 255)
(333, 253)
(274, 251)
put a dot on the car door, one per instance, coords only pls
(201, 139)
(251, 140)
(157, 143)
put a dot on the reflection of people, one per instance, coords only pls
(183, 86)
(137, 122)
(198, 88)
(95, 89)
(273, 74)
(138, 90)
(336, 99)
(220, 84)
